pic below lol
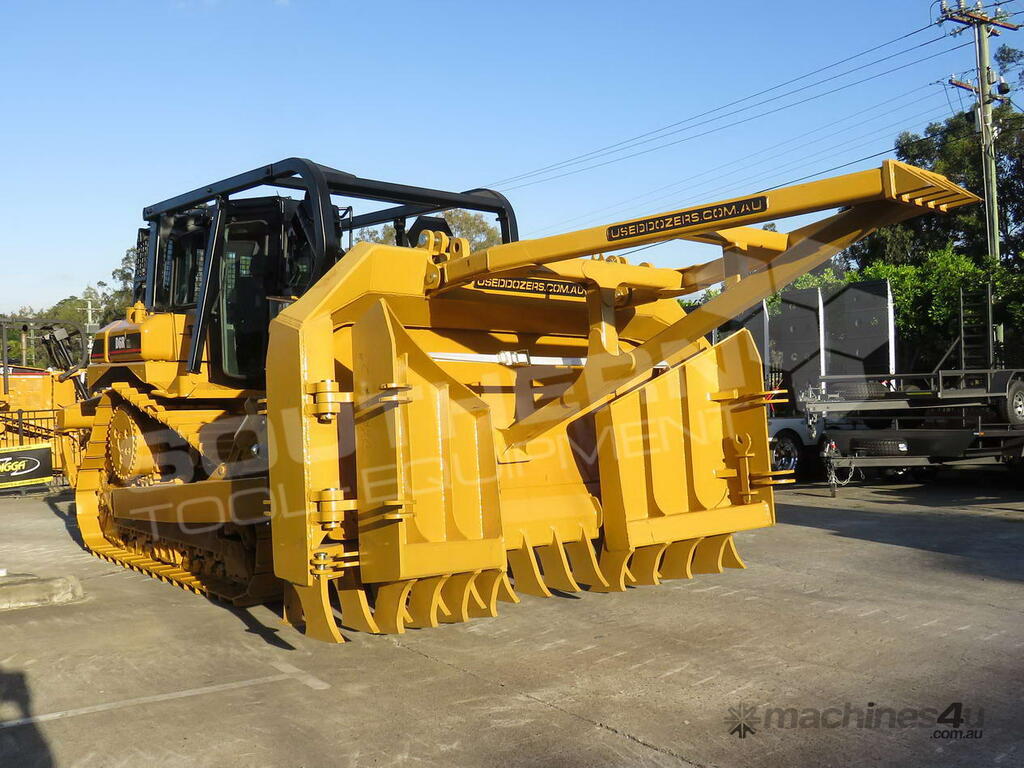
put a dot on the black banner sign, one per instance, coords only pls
(688, 218)
(25, 465)
(554, 289)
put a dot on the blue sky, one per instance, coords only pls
(109, 106)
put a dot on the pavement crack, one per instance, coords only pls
(575, 715)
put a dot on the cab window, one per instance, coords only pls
(243, 307)
(180, 255)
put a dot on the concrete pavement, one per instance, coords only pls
(897, 597)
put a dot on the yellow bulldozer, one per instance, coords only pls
(404, 434)
(30, 398)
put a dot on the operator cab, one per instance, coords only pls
(263, 262)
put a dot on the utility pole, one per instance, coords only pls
(89, 327)
(983, 26)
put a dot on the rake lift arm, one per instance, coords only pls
(755, 264)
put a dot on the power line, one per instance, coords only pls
(853, 143)
(733, 103)
(742, 159)
(982, 25)
(869, 157)
(665, 132)
(890, 150)
(949, 101)
(751, 160)
(735, 122)
(837, 168)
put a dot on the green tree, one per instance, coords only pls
(927, 301)
(123, 277)
(474, 227)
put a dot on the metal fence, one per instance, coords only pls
(19, 428)
(23, 427)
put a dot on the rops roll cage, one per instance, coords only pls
(318, 182)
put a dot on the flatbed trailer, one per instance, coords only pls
(917, 429)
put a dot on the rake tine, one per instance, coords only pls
(318, 613)
(613, 566)
(526, 571)
(292, 609)
(730, 557)
(389, 610)
(677, 561)
(485, 594)
(505, 592)
(557, 574)
(456, 593)
(425, 602)
(355, 607)
(708, 557)
(644, 564)
(583, 559)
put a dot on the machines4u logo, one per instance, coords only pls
(952, 722)
(742, 719)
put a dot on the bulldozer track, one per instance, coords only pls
(99, 527)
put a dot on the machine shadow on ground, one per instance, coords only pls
(62, 505)
(987, 543)
(21, 745)
(994, 489)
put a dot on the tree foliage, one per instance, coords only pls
(1010, 61)
(107, 299)
(473, 226)
(951, 148)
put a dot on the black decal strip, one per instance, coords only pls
(688, 218)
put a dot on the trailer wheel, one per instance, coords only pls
(786, 452)
(1013, 405)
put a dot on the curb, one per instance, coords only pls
(25, 590)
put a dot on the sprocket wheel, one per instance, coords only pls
(130, 454)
